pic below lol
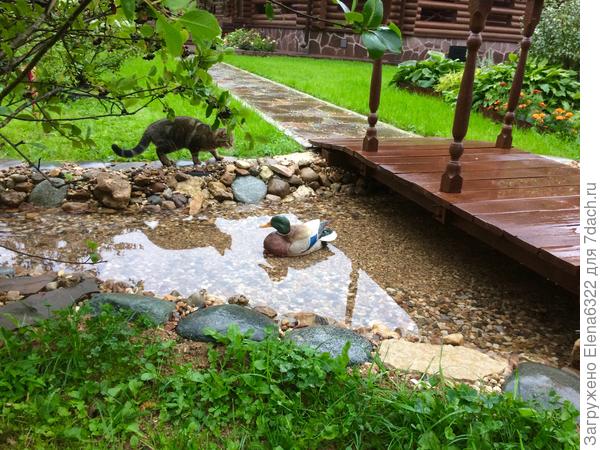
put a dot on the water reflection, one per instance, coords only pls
(233, 263)
(224, 257)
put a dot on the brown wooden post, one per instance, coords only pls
(533, 12)
(370, 141)
(452, 179)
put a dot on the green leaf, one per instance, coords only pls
(343, 6)
(128, 8)
(114, 391)
(171, 35)
(146, 30)
(91, 245)
(389, 38)
(202, 24)
(373, 13)
(392, 26)
(354, 17)
(374, 46)
(178, 4)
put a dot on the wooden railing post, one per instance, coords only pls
(370, 141)
(533, 12)
(452, 179)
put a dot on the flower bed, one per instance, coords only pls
(549, 100)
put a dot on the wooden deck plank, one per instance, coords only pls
(468, 166)
(468, 196)
(491, 174)
(523, 204)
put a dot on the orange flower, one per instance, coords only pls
(522, 106)
(521, 94)
(536, 91)
(536, 116)
(503, 83)
(559, 110)
(542, 104)
(569, 114)
(560, 117)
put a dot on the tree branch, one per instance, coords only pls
(308, 16)
(31, 164)
(59, 34)
(19, 252)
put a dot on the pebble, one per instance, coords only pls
(13, 296)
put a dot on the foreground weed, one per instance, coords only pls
(101, 382)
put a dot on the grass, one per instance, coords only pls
(346, 83)
(79, 382)
(127, 130)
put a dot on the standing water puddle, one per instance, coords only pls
(226, 258)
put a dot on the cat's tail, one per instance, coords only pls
(142, 145)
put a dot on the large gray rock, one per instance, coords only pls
(112, 190)
(248, 189)
(47, 195)
(220, 318)
(332, 339)
(157, 310)
(535, 382)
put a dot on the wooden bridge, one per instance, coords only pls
(524, 205)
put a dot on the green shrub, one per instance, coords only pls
(249, 39)
(559, 87)
(549, 99)
(426, 73)
(79, 382)
(449, 85)
(556, 38)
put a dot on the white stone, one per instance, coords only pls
(458, 363)
(303, 192)
(454, 339)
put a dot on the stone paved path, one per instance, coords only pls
(299, 115)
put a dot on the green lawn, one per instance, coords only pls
(127, 130)
(346, 83)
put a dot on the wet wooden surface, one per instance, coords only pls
(525, 205)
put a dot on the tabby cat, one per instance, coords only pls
(181, 132)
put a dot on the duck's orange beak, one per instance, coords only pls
(266, 225)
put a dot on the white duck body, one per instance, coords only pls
(301, 239)
(307, 238)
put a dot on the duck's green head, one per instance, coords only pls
(280, 223)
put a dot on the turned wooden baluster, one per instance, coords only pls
(533, 12)
(452, 179)
(370, 141)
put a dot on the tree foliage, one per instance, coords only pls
(557, 35)
(56, 50)
(53, 51)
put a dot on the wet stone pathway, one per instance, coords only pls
(300, 115)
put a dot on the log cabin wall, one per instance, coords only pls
(425, 24)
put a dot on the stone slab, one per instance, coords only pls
(458, 363)
(28, 284)
(41, 306)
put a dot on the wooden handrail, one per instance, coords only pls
(533, 12)
(370, 141)
(452, 179)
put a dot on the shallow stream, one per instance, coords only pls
(391, 264)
